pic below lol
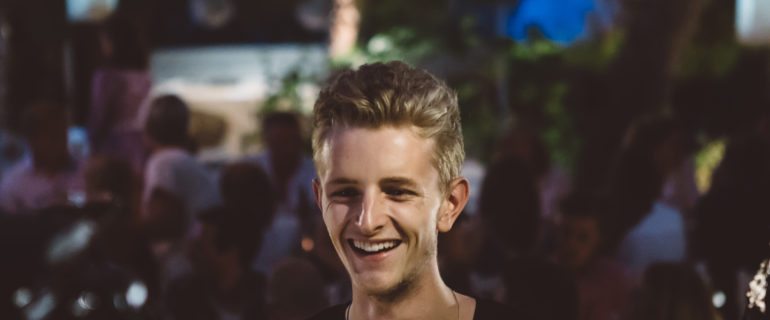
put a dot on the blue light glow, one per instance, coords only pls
(562, 21)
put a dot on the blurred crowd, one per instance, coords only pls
(139, 228)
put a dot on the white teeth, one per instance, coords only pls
(374, 247)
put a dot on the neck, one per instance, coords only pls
(426, 297)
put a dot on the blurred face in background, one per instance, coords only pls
(284, 141)
(49, 143)
(382, 205)
(210, 260)
(578, 241)
(671, 153)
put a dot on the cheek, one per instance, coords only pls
(338, 216)
(334, 215)
(419, 217)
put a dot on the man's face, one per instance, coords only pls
(284, 141)
(579, 240)
(207, 258)
(381, 202)
(49, 145)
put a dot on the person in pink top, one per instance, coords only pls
(118, 90)
(603, 285)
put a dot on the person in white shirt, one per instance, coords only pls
(291, 174)
(176, 186)
(647, 229)
(49, 176)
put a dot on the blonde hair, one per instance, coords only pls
(393, 94)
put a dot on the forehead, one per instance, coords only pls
(393, 151)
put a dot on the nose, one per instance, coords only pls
(371, 219)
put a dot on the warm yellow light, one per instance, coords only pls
(344, 28)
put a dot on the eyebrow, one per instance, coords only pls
(386, 181)
(399, 181)
(340, 181)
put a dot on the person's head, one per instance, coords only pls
(225, 243)
(44, 126)
(579, 231)
(654, 148)
(282, 134)
(168, 121)
(388, 148)
(123, 44)
(245, 187)
(659, 143)
(523, 143)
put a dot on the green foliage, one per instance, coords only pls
(543, 75)
(712, 51)
(535, 76)
(559, 134)
(287, 96)
(398, 43)
(706, 161)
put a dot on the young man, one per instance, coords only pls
(387, 144)
(50, 174)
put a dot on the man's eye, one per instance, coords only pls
(345, 193)
(398, 192)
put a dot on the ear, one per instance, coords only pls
(454, 203)
(317, 192)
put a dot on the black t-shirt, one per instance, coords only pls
(485, 310)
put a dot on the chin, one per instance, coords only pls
(380, 284)
(375, 281)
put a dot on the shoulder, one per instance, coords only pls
(17, 173)
(488, 309)
(168, 156)
(172, 153)
(332, 313)
(262, 159)
(21, 168)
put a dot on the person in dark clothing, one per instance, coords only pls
(671, 291)
(222, 285)
(388, 147)
(654, 147)
(732, 225)
(510, 210)
(509, 199)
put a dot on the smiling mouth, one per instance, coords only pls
(370, 247)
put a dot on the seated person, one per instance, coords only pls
(603, 285)
(50, 175)
(296, 290)
(246, 191)
(112, 193)
(290, 173)
(176, 186)
(221, 286)
(673, 291)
